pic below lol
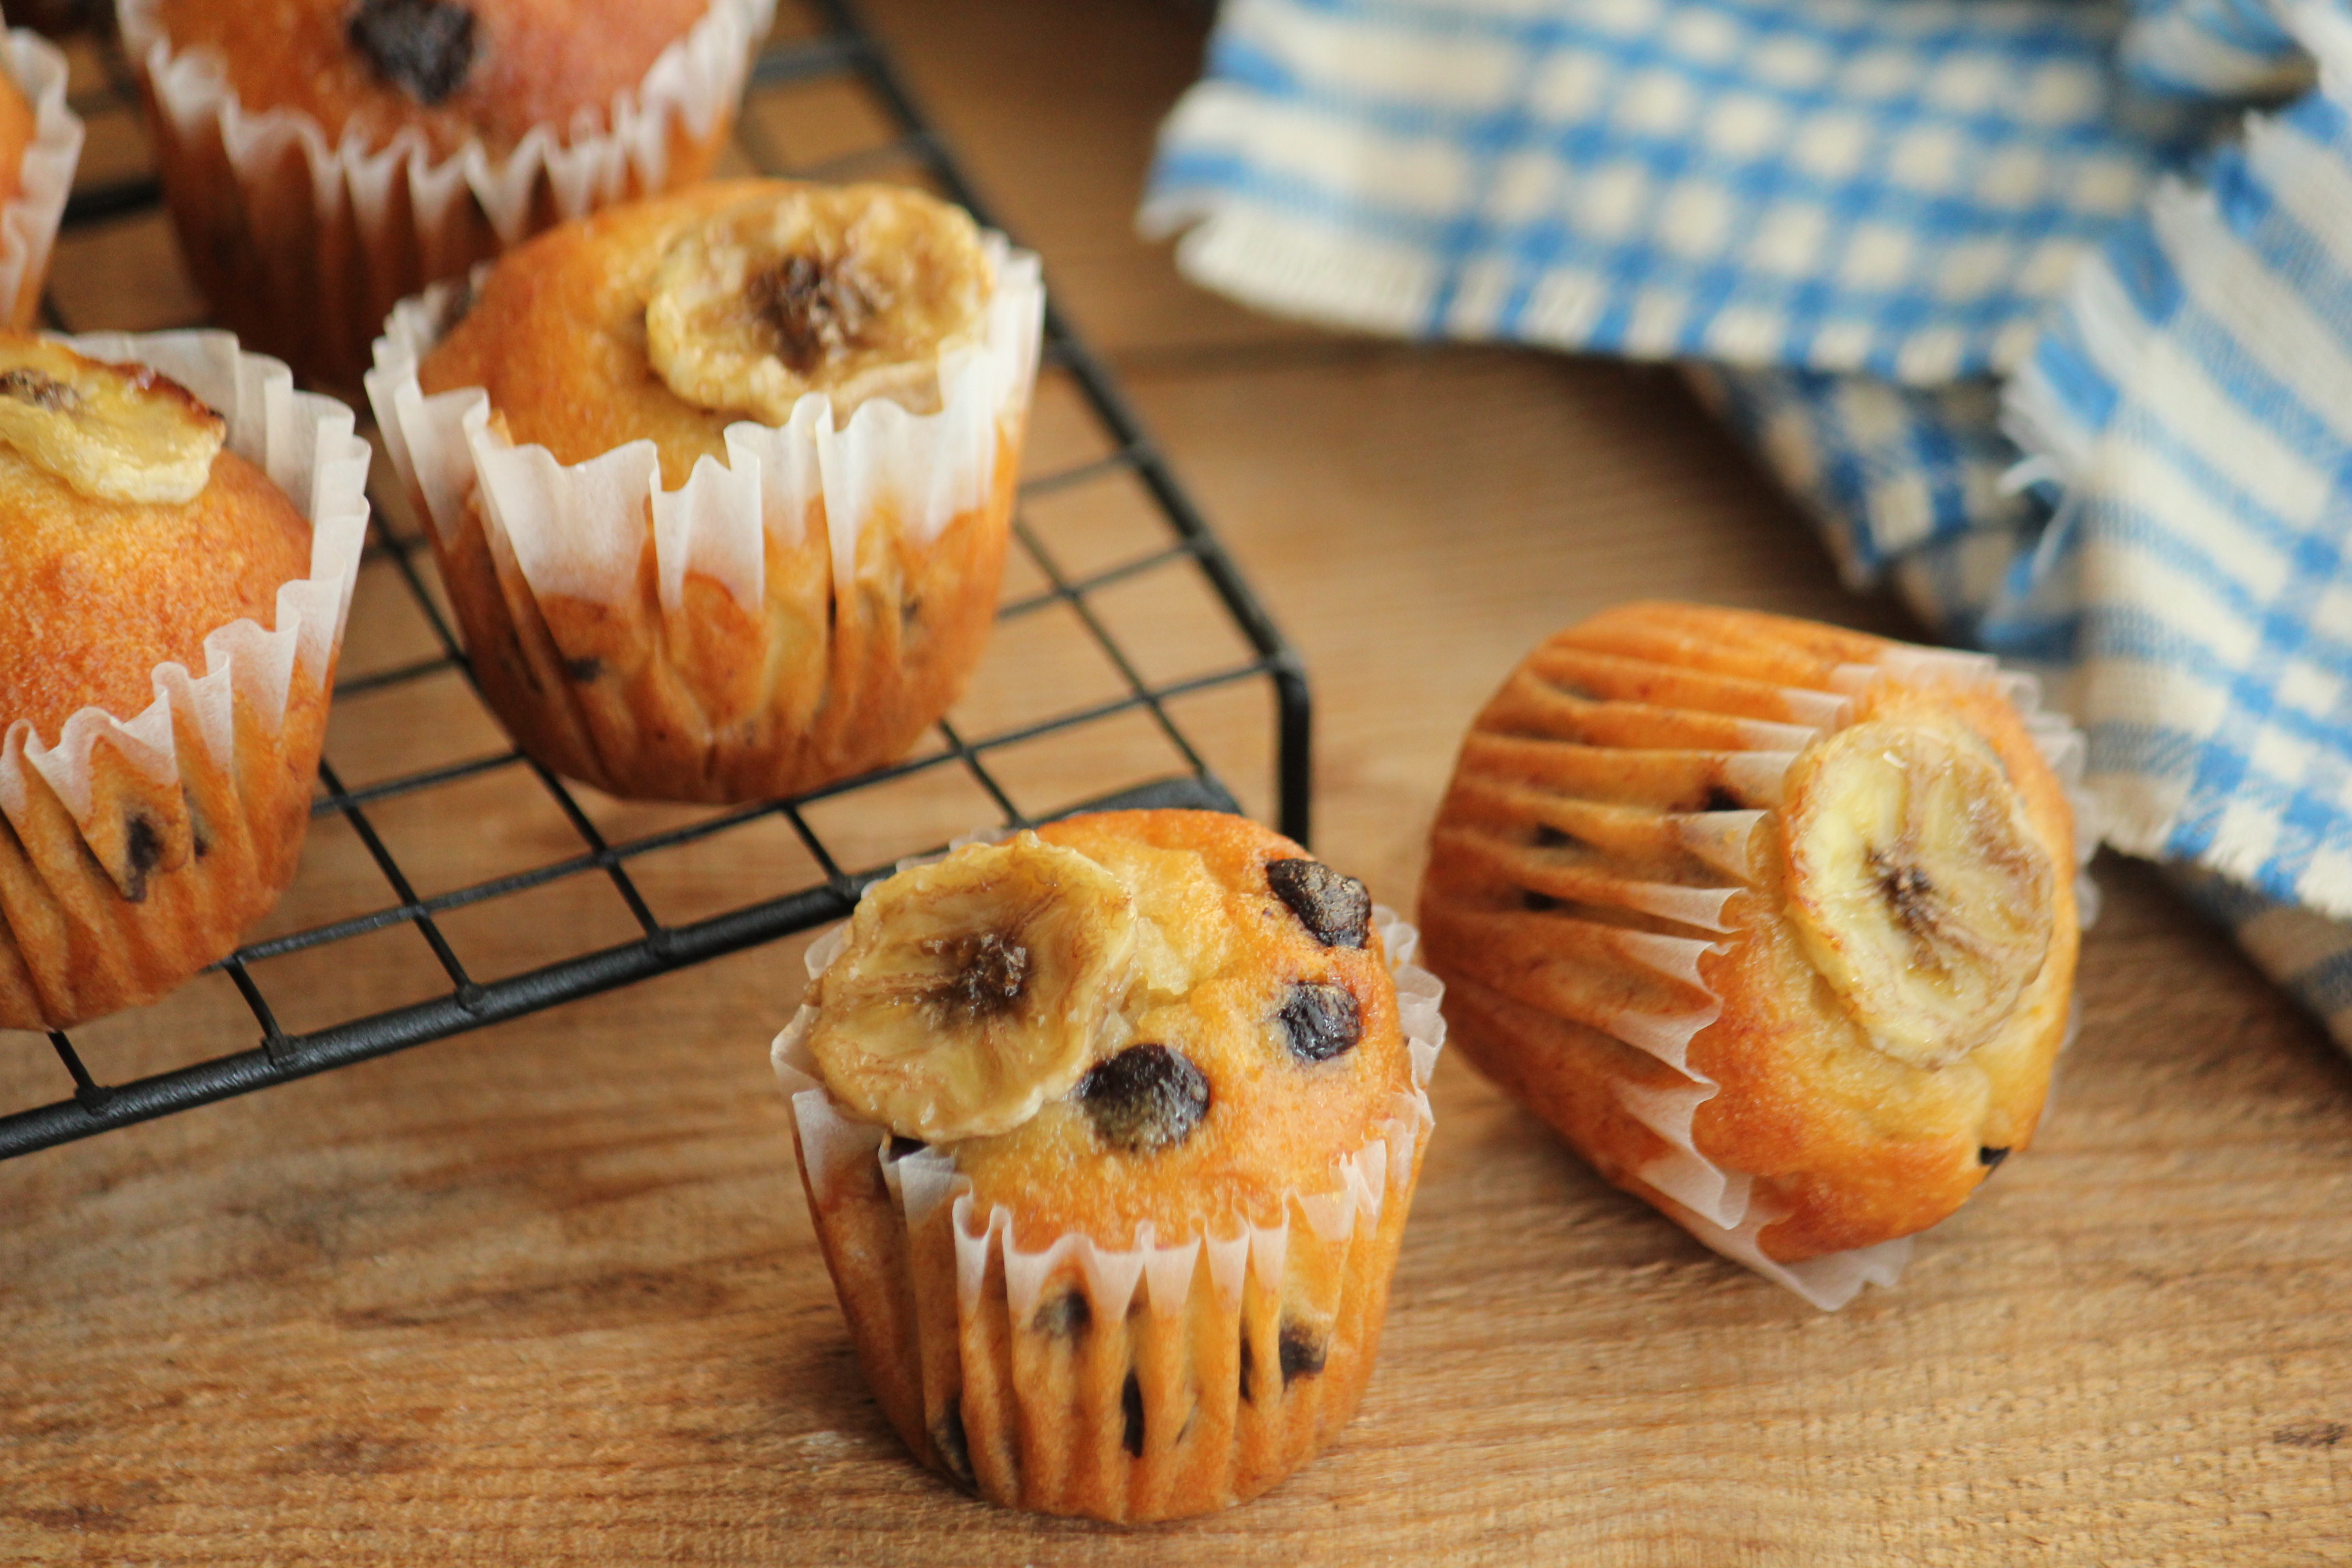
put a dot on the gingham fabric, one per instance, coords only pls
(1996, 285)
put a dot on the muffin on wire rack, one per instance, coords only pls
(324, 159)
(721, 482)
(1777, 922)
(1109, 1132)
(180, 530)
(40, 145)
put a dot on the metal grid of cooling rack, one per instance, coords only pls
(841, 50)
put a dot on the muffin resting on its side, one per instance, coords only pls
(721, 482)
(1776, 921)
(323, 159)
(1109, 1132)
(166, 652)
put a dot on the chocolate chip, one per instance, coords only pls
(818, 311)
(1130, 1402)
(1334, 907)
(422, 46)
(1990, 1156)
(142, 851)
(1065, 1317)
(1322, 1021)
(1303, 1353)
(1144, 1099)
(41, 390)
(947, 1436)
(986, 974)
(583, 670)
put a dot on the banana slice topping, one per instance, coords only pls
(973, 990)
(854, 290)
(113, 432)
(1915, 883)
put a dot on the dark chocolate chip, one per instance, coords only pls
(426, 47)
(1144, 1099)
(1130, 1402)
(1249, 1365)
(1335, 907)
(902, 1147)
(947, 1436)
(1991, 1156)
(583, 670)
(142, 851)
(1721, 799)
(41, 390)
(1303, 1351)
(1322, 1021)
(818, 311)
(1065, 1317)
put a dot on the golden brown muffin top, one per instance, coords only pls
(96, 590)
(745, 315)
(1893, 960)
(491, 68)
(1252, 1042)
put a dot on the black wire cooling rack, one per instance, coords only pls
(1107, 702)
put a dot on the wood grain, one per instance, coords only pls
(546, 1294)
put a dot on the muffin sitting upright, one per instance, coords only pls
(152, 812)
(1108, 1133)
(324, 159)
(1776, 921)
(40, 145)
(719, 482)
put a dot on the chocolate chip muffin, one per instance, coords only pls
(168, 619)
(1109, 1131)
(721, 482)
(40, 145)
(323, 159)
(1775, 921)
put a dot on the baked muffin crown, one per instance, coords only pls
(457, 70)
(1760, 909)
(1192, 1035)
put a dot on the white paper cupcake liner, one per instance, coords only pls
(1718, 1205)
(1162, 1278)
(580, 529)
(306, 443)
(393, 214)
(28, 223)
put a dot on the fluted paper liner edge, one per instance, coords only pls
(29, 225)
(579, 529)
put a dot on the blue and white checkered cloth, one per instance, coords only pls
(2011, 295)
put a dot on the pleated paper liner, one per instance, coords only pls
(1712, 710)
(643, 639)
(45, 175)
(1155, 1381)
(138, 848)
(303, 245)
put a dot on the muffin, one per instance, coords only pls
(1777, 922)
(183, 533)
(324, 159)
(719, 482)
(40, 145)
(1108, 1133)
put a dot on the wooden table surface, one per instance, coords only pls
(546, 1294)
